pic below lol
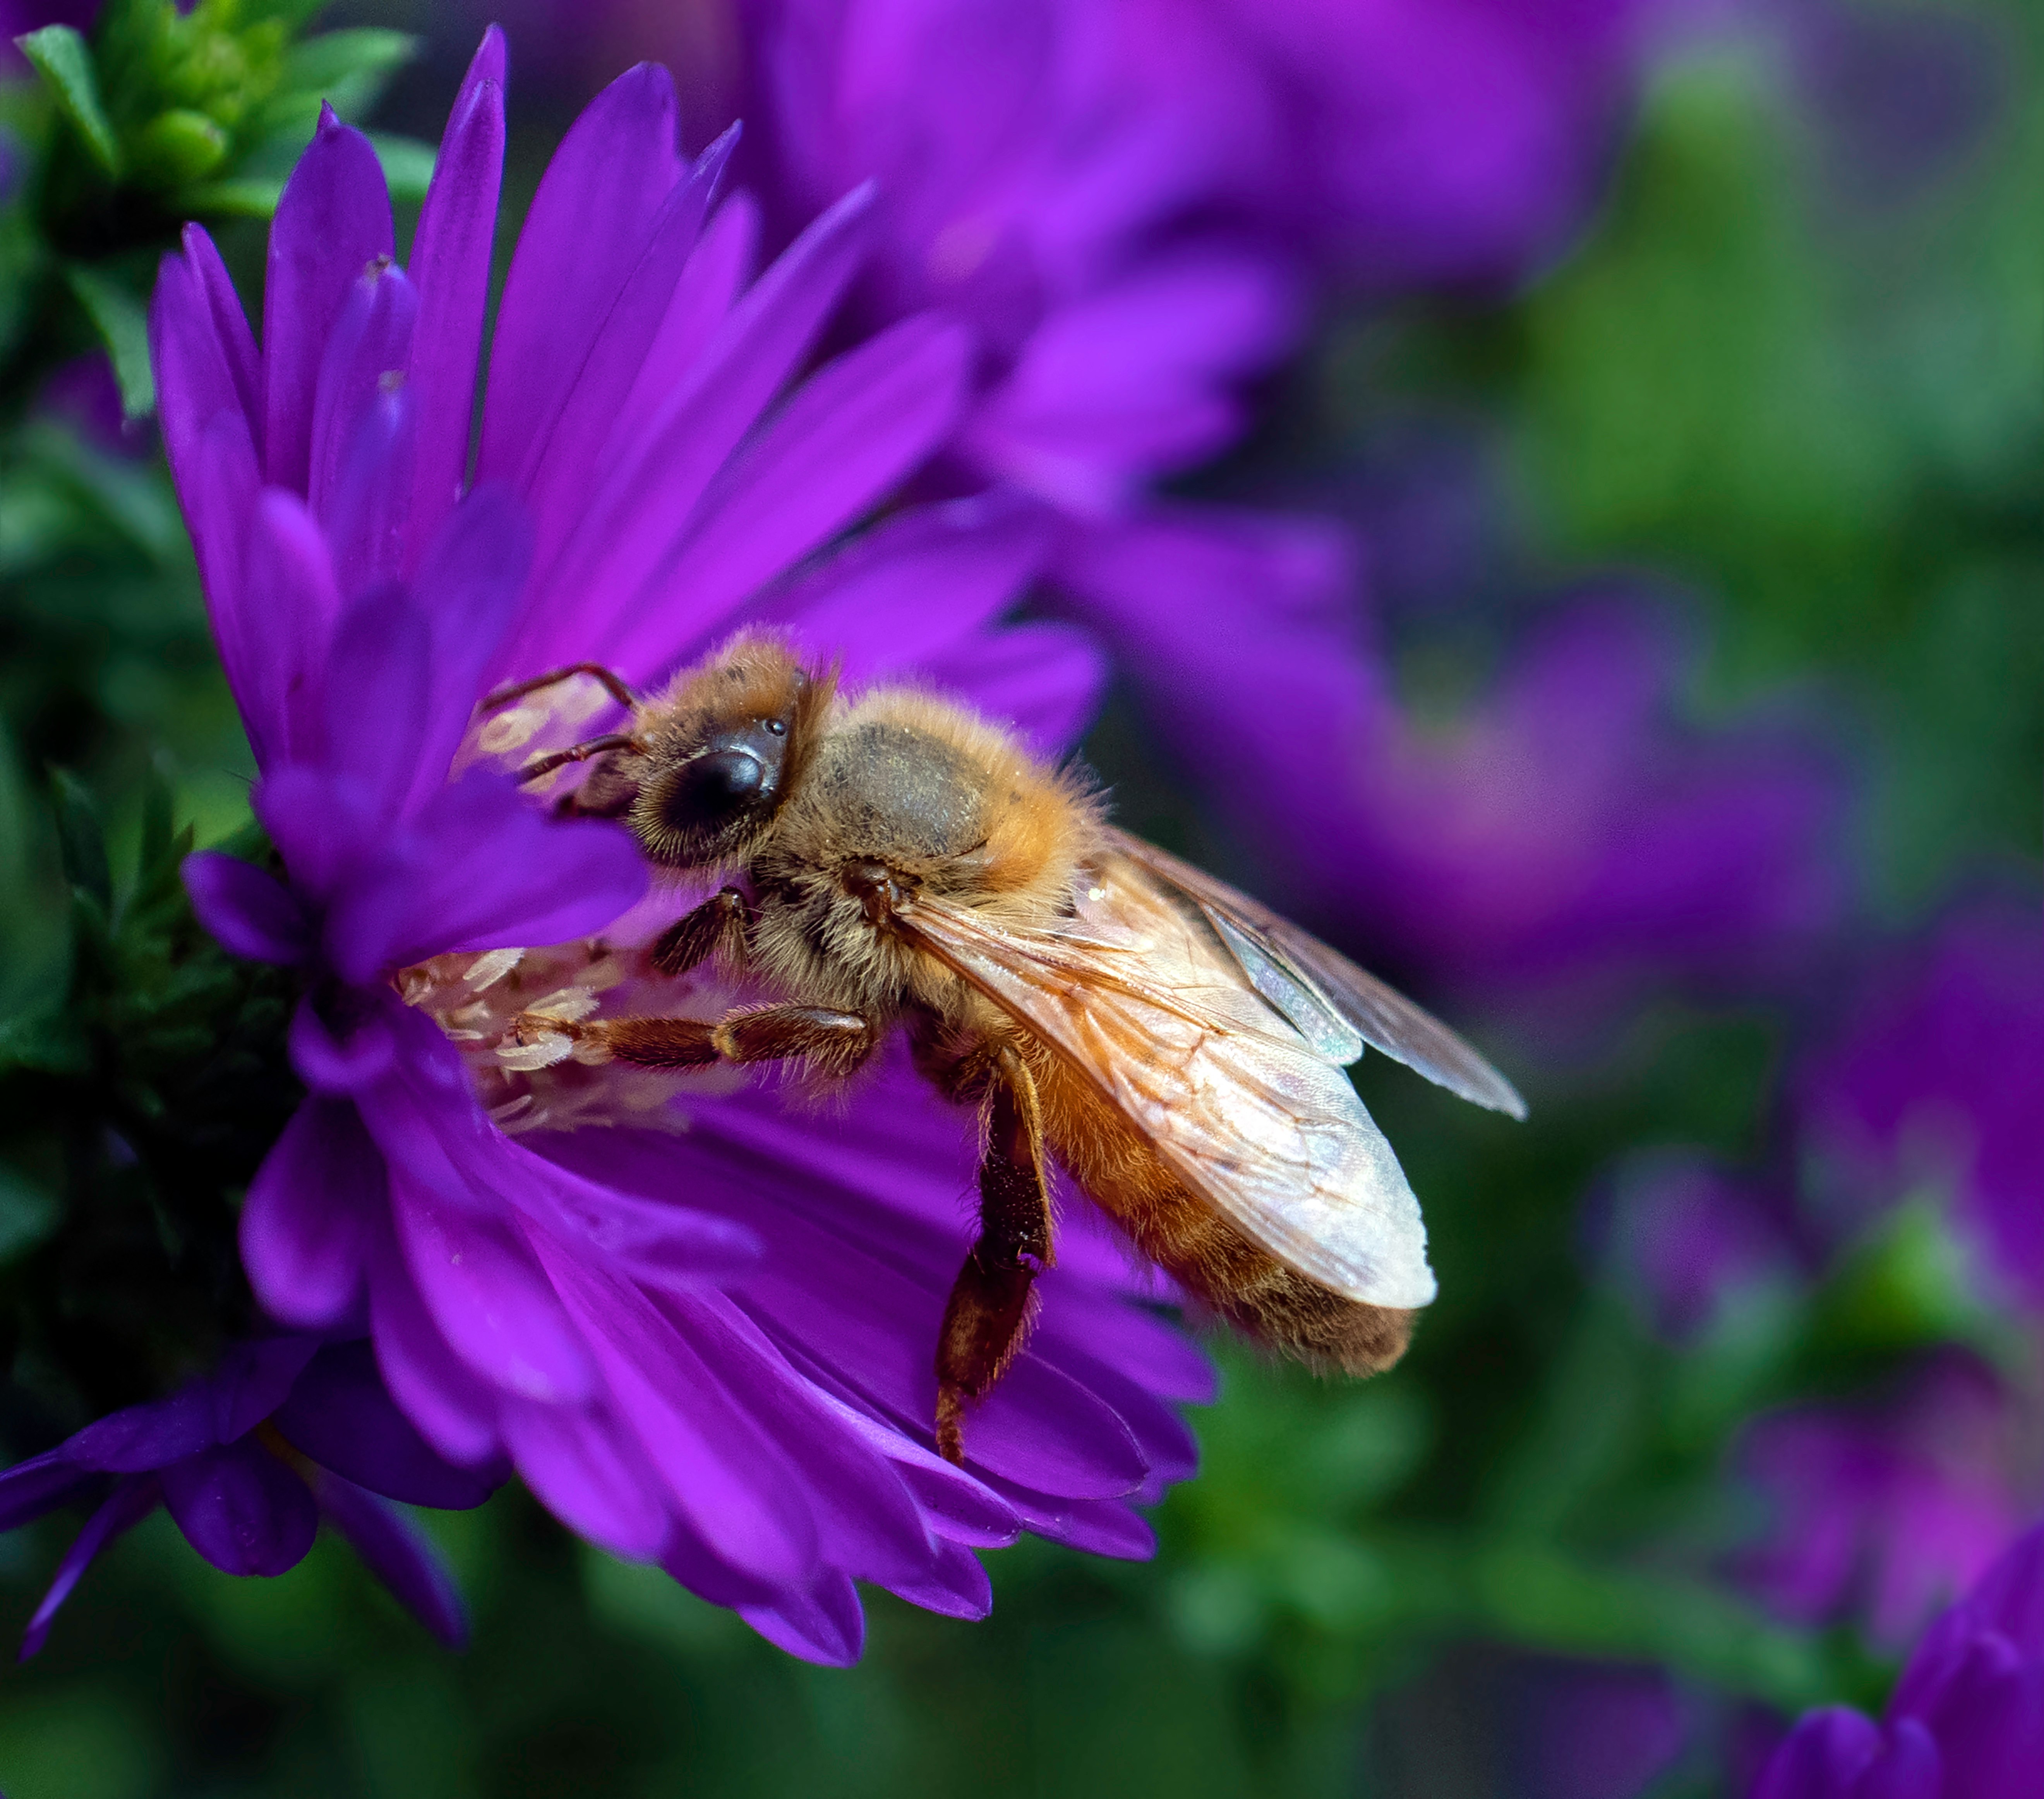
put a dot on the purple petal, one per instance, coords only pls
(724, 259)
(290, 576)
(583, 237)
(867, 1517)
(1824, 1753)
(592, 592)
(560, 465)
(1911, 1768)
(41, 1484)
(340, 1415)
(330, 1063)
(1045, 679)
(853, 431)
(398, 1554)
(489, 1299)
(364, 515)
(452, 1408)
(249, 1384)
(917, 586)
(208, 437)
(591, 1474)
(378, 679)
(962, 1509)
(241, 1508)
(1096, 1526)
(720, 1469)
(332, 224)
(230, 325)
(217, 495)
(369, 344)
(824, 1624)
(482, 868)
(657, 1241)
(451, 268)
(248, 913)
(1128, 382)
(1038, 1427)
(323, 824)
(131, 1502)
(303, 1224)
(467, 586)
(958, 1587)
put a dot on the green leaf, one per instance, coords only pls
(81, 841)
(63, 59)
(28, 1214)
(124, 327)
(240, 196)
(407, 164)
(323, 63)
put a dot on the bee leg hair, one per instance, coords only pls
(834, 1042)
(988, 1314)
(717, 926)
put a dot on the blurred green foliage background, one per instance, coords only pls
(1821, 412)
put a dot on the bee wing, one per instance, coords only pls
(1140, 1001)
(1321, 990)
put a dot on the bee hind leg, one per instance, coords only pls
(988, 1315)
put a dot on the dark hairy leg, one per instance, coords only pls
(615, 685)
(719, 924)
(833, 1043)
(988, 1314)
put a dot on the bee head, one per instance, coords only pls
(726, 747)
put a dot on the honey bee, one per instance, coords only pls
(891, 859)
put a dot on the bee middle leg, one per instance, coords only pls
(833, 1043)
(988, 1314)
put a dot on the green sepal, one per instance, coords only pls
(123, 325)
(179, 146)
(82, 842)
(64, 61)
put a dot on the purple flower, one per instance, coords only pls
(1405, 141)
(713, 1351)
(1690, 1238)
(1938, 1079)
(1038, 182)
(1563, 836)
(1967, 1720)
(1131, 203)
(285, 1432)
(1883, 1511)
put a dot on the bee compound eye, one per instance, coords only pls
(708, 790)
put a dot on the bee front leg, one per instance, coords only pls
(988, 1315)
(718, 925)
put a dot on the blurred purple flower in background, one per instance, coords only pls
(1967, 1720)
(1937, 1081)
(555, 1301)
(1882, 1512)
(284, 1434)
(1690, 1238)
(1565, 836)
